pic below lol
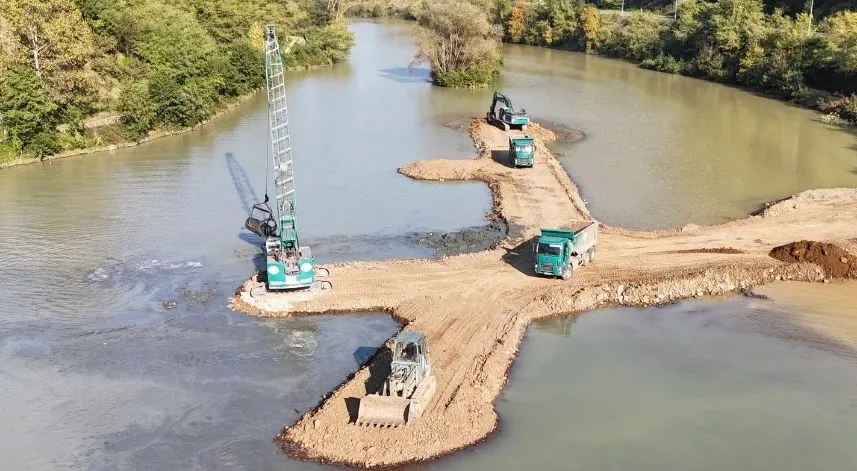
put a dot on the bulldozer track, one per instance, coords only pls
(474, 308)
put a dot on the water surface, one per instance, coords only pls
(703, 385)
(95, 373)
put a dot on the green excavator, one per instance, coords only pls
(288, 265)
(505, 115)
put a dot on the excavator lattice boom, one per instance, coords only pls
(288, 265)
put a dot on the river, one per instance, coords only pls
(96, 373)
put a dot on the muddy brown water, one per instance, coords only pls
(96, 373)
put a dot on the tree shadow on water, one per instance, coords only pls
(379, 369)
(407, 75)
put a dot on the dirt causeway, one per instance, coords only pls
(474, 308)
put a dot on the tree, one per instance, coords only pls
(28, 112)
(591, 24)
(839, 41)
(59, 45)
(137, 108)
(459, 44)
(517, 20)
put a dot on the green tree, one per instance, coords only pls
(172, 40)
(137, 108)
(459, 44)
(59, 46)
(839, 41)
(590, 23)
(28, 113)
(637, 37)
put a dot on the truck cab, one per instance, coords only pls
(521, 150)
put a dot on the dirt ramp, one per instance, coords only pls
(837, 263)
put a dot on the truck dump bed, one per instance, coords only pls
(569, 232)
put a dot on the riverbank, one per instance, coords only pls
(151, 136)
(474, 308)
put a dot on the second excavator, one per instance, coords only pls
(505, 115)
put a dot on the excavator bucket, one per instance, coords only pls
(383, 411)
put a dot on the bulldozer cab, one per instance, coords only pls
(410, 347)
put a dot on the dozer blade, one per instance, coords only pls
(383, 411)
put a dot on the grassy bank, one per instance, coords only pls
(113, 136)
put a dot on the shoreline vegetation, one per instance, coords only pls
(753, 44)
(84, 76)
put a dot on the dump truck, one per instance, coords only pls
(406, 391)
(559, 251)
(521, 150)
(505, 116)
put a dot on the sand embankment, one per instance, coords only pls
(474, 308)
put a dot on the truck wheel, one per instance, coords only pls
(566, 274)
(592, 254)
(584, 259)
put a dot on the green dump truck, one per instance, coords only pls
(521, 150)
(559, 251)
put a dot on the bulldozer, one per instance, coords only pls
(505, 116)
(406, 391)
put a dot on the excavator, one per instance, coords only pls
(288, 265)
(406, 391)
(505, 116)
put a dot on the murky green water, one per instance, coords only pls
(704, 385)
(96, 374)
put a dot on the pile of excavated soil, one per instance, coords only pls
(836, 262)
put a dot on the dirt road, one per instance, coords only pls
(474, 308)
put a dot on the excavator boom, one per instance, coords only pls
(288, 264)
(506, 117)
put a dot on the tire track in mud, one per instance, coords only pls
(474, 308)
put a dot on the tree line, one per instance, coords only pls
(156, 63)
(773, 47)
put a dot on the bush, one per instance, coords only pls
(637, 37)
(137, 108)
(459, 44)
(478, 76)
(663, 63)
(841, 106)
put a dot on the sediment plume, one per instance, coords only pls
(474, 308)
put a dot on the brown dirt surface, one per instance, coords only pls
(837, 263)
(474, 308)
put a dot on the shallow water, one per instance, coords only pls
(704, 385)
(95, 373)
